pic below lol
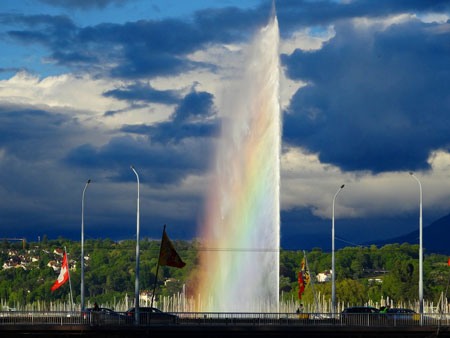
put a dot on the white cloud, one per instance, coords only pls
(65, 90)
(307, 40)
(382, 22)
(434, 17)
(308, 183)
(80, 96)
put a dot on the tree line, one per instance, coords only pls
(369, 273)
(362, 273)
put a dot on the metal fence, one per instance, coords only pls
(315, 319)
(223, 318)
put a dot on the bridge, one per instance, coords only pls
(201, 324)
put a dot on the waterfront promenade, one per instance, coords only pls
(64, 324)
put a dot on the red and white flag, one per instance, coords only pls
(63, 275)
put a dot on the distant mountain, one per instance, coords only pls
(436, 237)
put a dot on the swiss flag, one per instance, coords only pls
(63, 275)
(449, 262)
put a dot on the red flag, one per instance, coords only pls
(301, 285)
(449, 262)
(168, 256)
(63, 275)
(303, 278)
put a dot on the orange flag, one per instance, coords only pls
(63, 275)
(305, 272)
(167, 255)
(449, 262)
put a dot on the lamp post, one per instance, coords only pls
(136, 282)
(420, 247)
(333, 271)
(82, 245)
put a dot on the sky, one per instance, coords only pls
(90, 87)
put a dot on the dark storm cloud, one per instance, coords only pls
(51, 31)
(376, 99)
(31, 134)
(195, 116)
(137, 65)
(144, 92)
(85, 4)
(149, 48)
(194, 105)
(132, 106)
(166, 132)
(292, 13)
(32, 142)
(230, 23)
(43, 171)
(167, 152)
(159, 163)
(139, 49)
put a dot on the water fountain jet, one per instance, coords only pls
(240, 267)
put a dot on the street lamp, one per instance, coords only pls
(420, 247)
(82, 245)
(136, 282)
(333, 271)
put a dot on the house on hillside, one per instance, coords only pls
(59, 252)
(54, 265)
(8, 265)
(145, 296)
(375, 281)
(13, 264)
(324, 276)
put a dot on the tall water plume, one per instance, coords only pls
(240, 264)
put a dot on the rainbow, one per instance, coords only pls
(239, 260)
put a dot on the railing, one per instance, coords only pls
(315, 319)
(40, 318)
(223, 318)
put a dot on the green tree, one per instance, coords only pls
(351, 292)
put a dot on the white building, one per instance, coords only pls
(324, 276)
(59, 252)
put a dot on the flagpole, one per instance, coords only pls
(311, 280)
(70, 283)
(420, 249)
(333, 271)
(157, 268)
(136, 284)
(82, 245)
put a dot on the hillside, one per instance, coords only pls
(436, 237)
